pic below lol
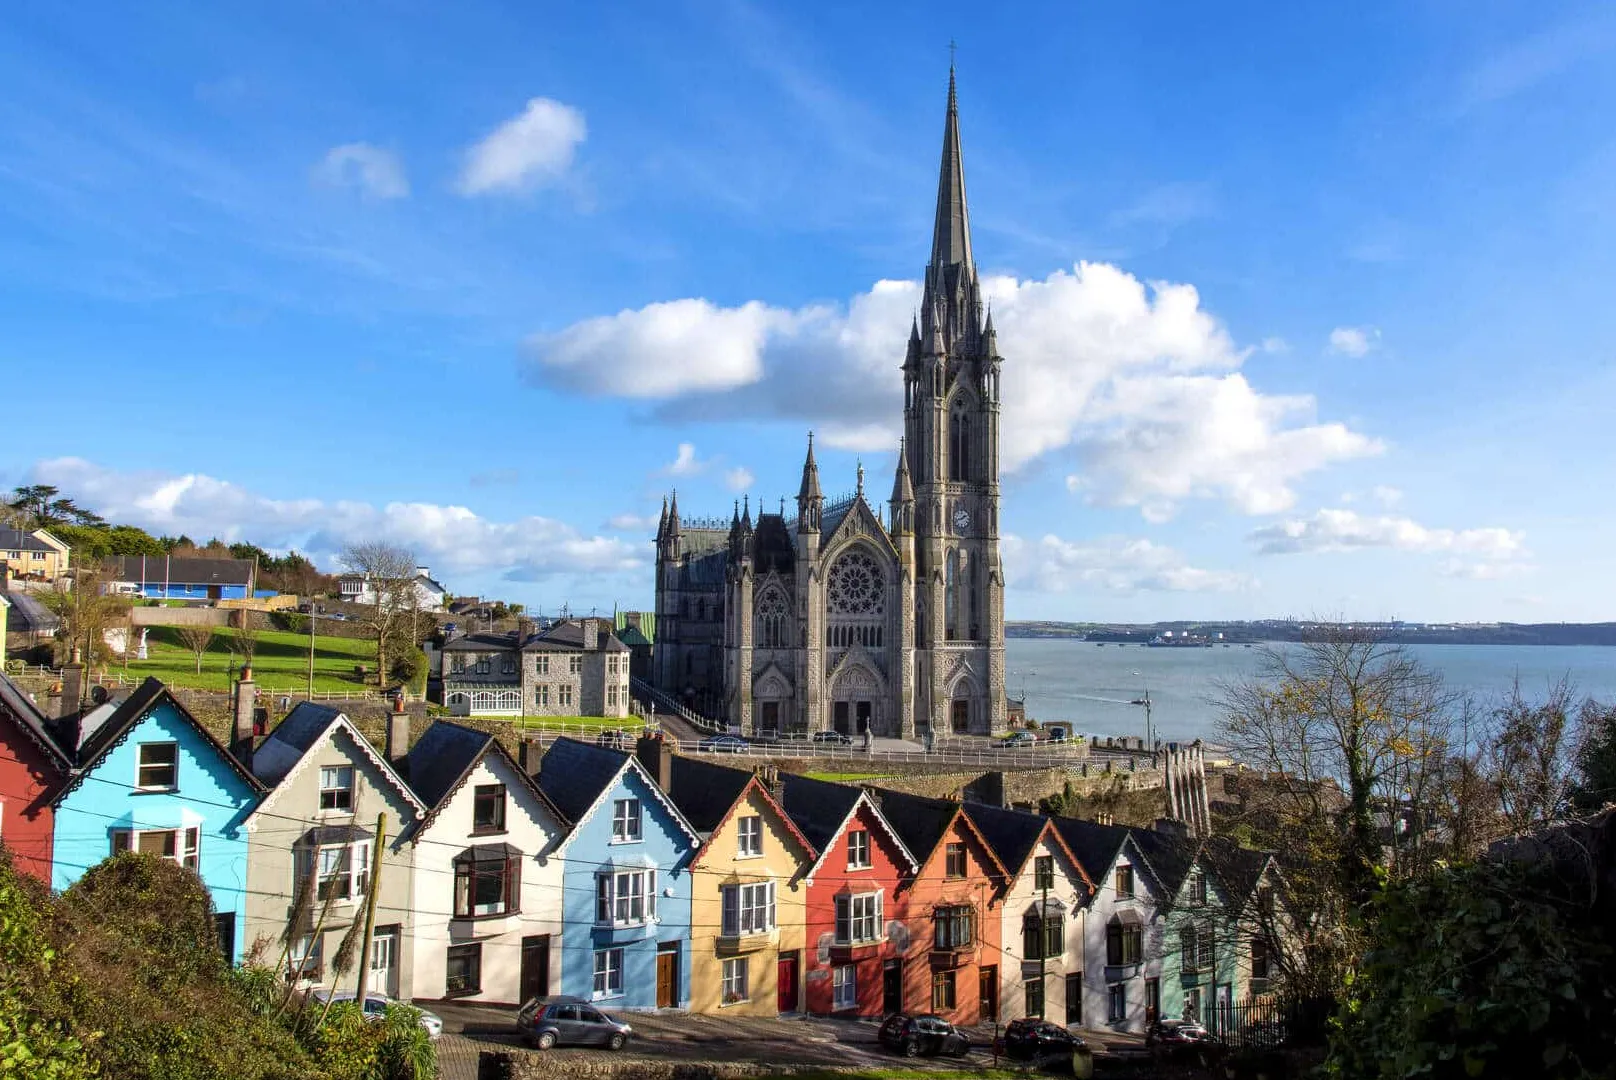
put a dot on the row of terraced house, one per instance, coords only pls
(637, 879)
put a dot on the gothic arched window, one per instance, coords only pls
(855, 602)
(771, 620)
(951, 596)
(959, 444)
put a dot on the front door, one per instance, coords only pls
(224, 931)
(535, 967)
(786, 989)
(771, 716)
(384, 961)
(891, 987)
(1152, 1001)
(864, 711)
(989, 986)
(839, 717)
(667, 978)
(1074, 999)
(960, 716)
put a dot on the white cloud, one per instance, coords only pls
(1112, 564)
(685, 462)
(632, 522)
(1136, 380)
(452, 538)
(1387, 496)
(1354, 340)
(739, 478)
(374, 171)
(531, 148)
(1347, 530)
(1275, 346)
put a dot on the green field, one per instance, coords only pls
(573, 723)
(281, 661)
(845, 777)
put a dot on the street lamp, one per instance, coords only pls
(1150, 741)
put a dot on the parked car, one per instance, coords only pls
(833, 738)
(723, 744)
(1017, 739)
(1030, 1039)
(613, 739)
(1058, 734)
(913, 1036)
(569, 1021)
(376, 1005)
(1172, 1036)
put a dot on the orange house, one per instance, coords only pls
(952, 957)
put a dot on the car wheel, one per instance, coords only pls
(545, 1041)
(911, 1049)
(617, 1041)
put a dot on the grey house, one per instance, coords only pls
(574, 667)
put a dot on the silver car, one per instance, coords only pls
(376, 1005)
(569, 1021)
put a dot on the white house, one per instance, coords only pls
(1125, 930)
(487, 882)
(362, 589)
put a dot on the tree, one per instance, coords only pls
(86, 614)
(41, 506)
(197, 639)
(390, 571)
(244, 643)
(1530, 758)
(1595, 782)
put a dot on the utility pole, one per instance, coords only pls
(1043, 943)
(311, 651)
(370, 908)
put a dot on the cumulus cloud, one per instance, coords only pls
(530, 149)
(1136, 380)
(372, 170)
(685, 462)
(453, 538)
(739, 478)
(1112, 564)
(1354, 340)
(1347, 530)
(632, 522)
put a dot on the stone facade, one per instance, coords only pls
(836, 618)
(575, 667)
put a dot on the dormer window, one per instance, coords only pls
(1124, 883)
(488, 808)
(337, 788)
(626, 821)
(858, 849)
(159, 766)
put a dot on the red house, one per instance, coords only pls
(854, 938)
(950, 965)
(32, 768)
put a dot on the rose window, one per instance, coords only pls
(856, 586)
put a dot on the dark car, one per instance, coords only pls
(913, 1036)
(834, 738)
(1017, 739)
(723, 744)
(1031, 1039)
(1176, 1036)
(569, 1021)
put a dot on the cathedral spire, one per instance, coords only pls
(810, 475)
(903, 489)
(662, 522)
(951, 237)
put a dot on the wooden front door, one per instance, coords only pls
(839, 717)
(535, 967)
(787, 989)
(989, 984)
(960, 715)
(1152, 1001)
(667, 979)
(891, 987)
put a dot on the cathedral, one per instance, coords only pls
(842, 618)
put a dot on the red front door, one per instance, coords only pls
(788, 983)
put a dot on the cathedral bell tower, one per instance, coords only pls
(951, 429)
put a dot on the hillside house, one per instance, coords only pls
(168, 577)
(34, 555)
(362, 588)
(574, 667)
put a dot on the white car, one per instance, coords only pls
(376, 1004)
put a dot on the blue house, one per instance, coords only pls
(625, 879)
(150, 778)
(167, 577)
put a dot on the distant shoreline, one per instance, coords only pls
(1242, 633)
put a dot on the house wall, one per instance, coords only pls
(783, 860)
(179, 590)
(27, 778)
(210, 797)
(589, 850)
(832, 879)
(48, 565)
(530, 827)
(932, 889)
(1014, 969)
(1098, 977)
(290, 811)
(1231, 953)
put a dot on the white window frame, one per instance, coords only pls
(858, 849)
(859, 918)
(625, 898)
(304, 962)
(187, 844)
(628, 821)
(844, 987)
(608, 981)
(141, 766)
(541, 664)
(735, 982)
(747, 909)
(350, 864)
(337, 788)
(749, 836)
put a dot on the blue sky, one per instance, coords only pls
(1305, 310)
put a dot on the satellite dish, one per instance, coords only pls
(99, 695)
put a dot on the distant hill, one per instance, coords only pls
(1295, 630)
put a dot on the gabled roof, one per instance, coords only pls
(1097, 846)
(1171, 857)
(632, 636)
(1014, 834)
(23, 540)
(846, 515)
(577, 776)
(300, 734)
(1241, 869)
(32, 723)
(446, 755)
(707, 794)
(821, 810)
(135, 708)
(189, 570)
(923, 822)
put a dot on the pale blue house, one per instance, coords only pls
(626, 879)
(150, 778)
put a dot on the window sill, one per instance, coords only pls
(737, 1001)
(753, 855)
(501, 831)
(617, 843)
(857, 869)
(487, 918)
(470, 991)
(156, 790)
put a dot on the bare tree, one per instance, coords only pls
(1530, 757)
(390, 573)
(244, 643)
(197, 639)
(86, 614)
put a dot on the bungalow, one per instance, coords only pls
(1125, 932)
(33, 555)
(953, 957)
(854, 918)
(165, 577)
(315, 832)
(150, 778)
(749, 897)
(1042, 915)
(488, 886)
(32, 768)
(626, 879)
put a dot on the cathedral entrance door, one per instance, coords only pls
(840, 718)
(960, 716)
(863, 709)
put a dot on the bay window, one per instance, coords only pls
(748, 909)
(488, 881)
(178, 846)
(953, 927)
(858, 918)
(625, 897)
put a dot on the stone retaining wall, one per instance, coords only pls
(535, 1065)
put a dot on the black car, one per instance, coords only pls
(834, 738)
(569, 1021)
(723, 744)
(913, 1036)
(1031, 1039)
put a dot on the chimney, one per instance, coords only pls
(591, 634)
(657, 757)
(524, 759)
(241, 733)
(632, 618)
(72, 686)
(398, 737)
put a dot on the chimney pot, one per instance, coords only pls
(398, 736)
(72, 686)
(244, 727)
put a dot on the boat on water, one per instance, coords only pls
(1170, 640)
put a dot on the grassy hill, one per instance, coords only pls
(281, 661)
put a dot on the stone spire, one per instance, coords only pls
(990, 340)
(903, 489)
(810, 475)
(673, 513)
(951, 236)
(662, 522)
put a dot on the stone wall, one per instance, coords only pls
(534, 1065)
(1004, 787)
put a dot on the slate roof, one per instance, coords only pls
(817, 807)
(483, 641)
(1240, 868)
(1170, 857)
(151, 569)
(704, 792)
(1010, 833)
(300, 729)
(919, 822)
(19, 540)
(442, 758)
(1095, 845)
(631, 636)
(27, 613)
(573, 774)
(31, 721)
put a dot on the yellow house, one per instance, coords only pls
(748, 898)
(36, 556)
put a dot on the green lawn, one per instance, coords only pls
(573, 723)
(845, 777)
(281, 661)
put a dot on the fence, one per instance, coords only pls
(1268, 1025)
